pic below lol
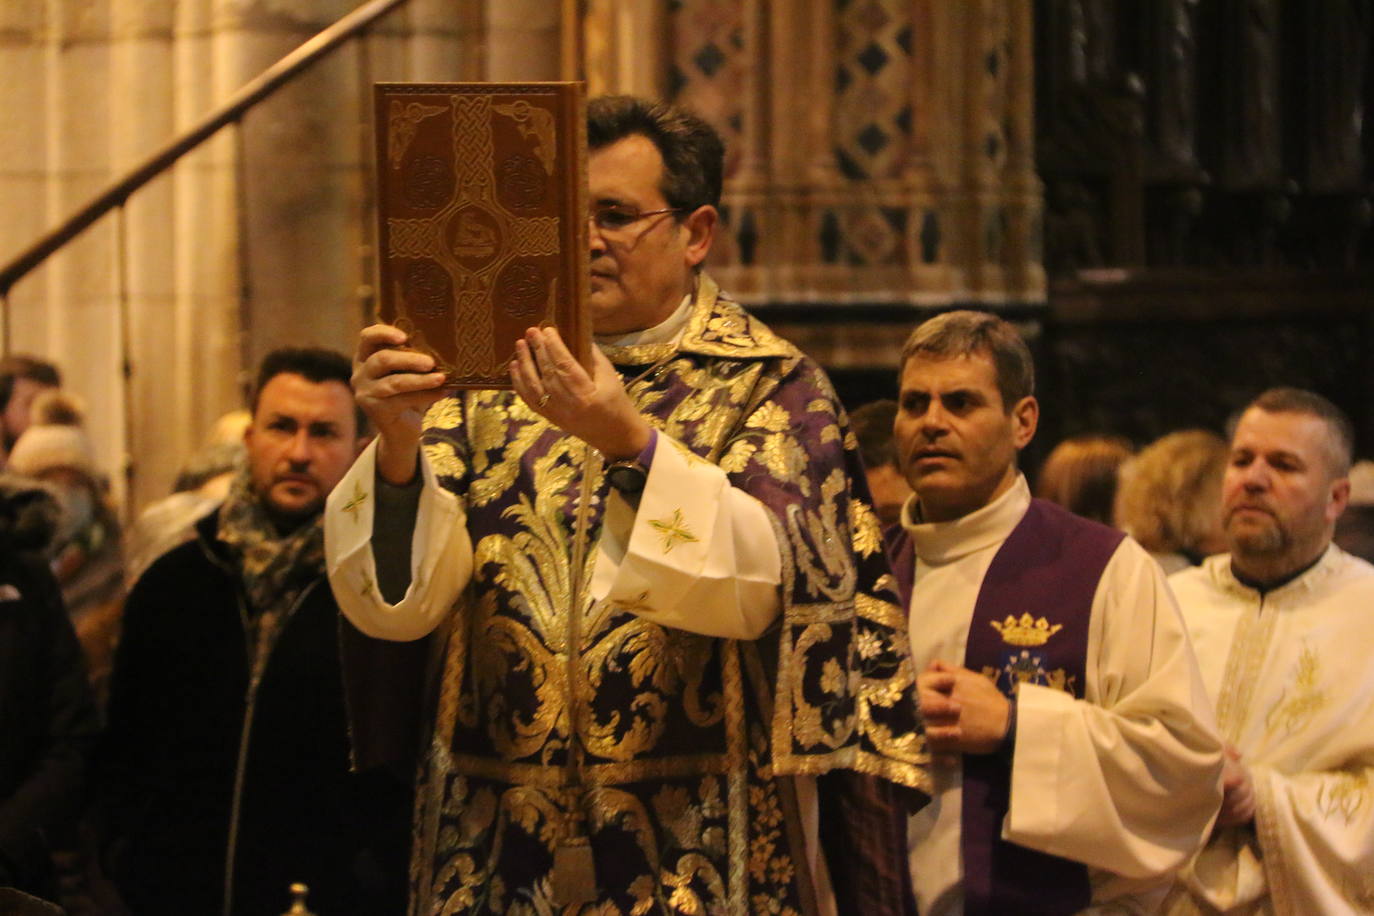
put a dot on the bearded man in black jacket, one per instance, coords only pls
(226, 770)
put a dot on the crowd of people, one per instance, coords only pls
(672, 631)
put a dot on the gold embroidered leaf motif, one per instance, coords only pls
(786, 460)
(674, 530)
(821, 405)
(675, 810)
(771, 416)
(443, 458)
(887, 614)
(851, 441)
(446, 413)
(355, 502)
(868, 533)
(477, 816)
(830, 434)
(1343, 794)
(641, 649)
(823, 555)
(693, 408)
(737, 458)
(486, 431)
(502, 475)
(1304, 699)
(713, 429)
(832, 677)
(711, 804)
(868, 645)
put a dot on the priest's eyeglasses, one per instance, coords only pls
(614, 219)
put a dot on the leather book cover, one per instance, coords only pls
(482, 220)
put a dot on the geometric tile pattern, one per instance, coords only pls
(710, 68)
(872, 86)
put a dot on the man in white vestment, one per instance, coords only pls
(1067, 777)
(1282, 629)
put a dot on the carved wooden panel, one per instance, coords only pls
(880, 151)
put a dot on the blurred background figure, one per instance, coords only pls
(201, 485)
(872, 425)
(85, 552)
(1170, 498)
(48, 722)
(1355, 527)
(1081, 474)
(22, 379)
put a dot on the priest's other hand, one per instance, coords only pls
(394, 387)
(964, 712)
(593, 406)
(1238, 791)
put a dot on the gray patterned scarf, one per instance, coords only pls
(276, 568)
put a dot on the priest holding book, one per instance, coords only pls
(649, 588)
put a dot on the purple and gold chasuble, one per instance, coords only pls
(1029, 625)
(681, 737)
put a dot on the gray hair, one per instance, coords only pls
(1340, 431)
(963, 333)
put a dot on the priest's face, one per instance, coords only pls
(1281, 493)
(302, 440)
(641, 266)
(955, 438)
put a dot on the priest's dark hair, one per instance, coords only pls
(693, 153)
(314, 364)
(965, 332)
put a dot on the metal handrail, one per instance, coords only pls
(248, 96)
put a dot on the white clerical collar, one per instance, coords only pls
(943, 542)
(665, 331)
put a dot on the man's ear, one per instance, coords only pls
(701, 232)
(1339, 499)
(1025, 415)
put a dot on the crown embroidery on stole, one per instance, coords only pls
(1027, 631)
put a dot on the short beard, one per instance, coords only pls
(1269, 542)
(288, 522)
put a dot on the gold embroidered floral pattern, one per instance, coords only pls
(772, 417)
(674, 530)
(868, 531)
(696, 822)
(1303, 699)
(443, 458)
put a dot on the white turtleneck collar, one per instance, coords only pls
(944, 542)
(666, 331)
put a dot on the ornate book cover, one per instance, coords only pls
(482, 217)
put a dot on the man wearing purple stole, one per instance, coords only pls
(658, 603)
(1076, 762)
